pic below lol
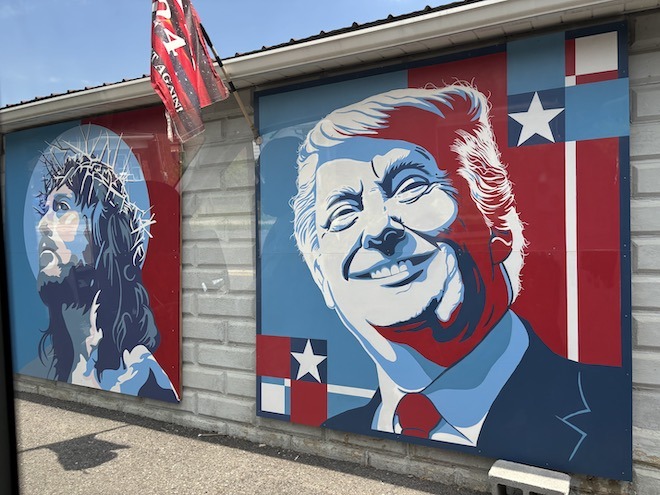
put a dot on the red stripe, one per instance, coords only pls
(597, 77)
(570, 57)
(537, 173)
(598, 237)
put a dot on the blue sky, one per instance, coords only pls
(51, 47)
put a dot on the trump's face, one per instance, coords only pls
(378, 249)
(402, 256)
(64, 236)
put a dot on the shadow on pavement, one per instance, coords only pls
(83, 452)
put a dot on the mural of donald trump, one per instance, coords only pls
(406, 219)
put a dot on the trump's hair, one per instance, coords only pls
(121, 301)
(454, 119)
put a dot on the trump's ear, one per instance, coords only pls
(322, 283)
(501, 245)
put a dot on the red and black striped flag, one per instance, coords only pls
(182, 72)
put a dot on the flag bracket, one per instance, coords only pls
(230, 84)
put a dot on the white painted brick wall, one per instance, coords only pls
(645, 226)
(219, 302)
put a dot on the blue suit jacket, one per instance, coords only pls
(552, 412)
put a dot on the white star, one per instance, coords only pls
(536, 120)
(309, 362)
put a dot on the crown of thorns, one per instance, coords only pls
(95, 163)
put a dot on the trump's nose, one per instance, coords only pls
(386, 241)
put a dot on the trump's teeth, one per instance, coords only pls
(394, 269)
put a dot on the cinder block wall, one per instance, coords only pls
(645, 226)
(219, 301)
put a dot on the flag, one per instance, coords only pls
(293, 379)
(182, 72)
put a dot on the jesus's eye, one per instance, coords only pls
(61, 206)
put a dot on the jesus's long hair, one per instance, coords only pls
(117, 235)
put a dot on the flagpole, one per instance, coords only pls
(232, 88)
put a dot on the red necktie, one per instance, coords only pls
(417, 415)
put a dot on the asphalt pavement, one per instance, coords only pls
(69, 448)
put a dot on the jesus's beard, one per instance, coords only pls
(72, 289)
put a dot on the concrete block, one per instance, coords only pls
(528, 479)
(644, 140)
(226, 305)
(645, 215)
(645, 33)
(370, 443)
(644, 67)
(241, 384)
(322, 448)
(236, 128)
(223, 407)
(646, 176)
(646, 480)
(212, 329)
(646, 328)
(238, 253)
(646, 368)
(646, 404)
(226, 356)
(434, 454)
(219, 202)
(236, 227)
(218, 153)
(645, 102)
(241, 279)
(204, 379)
(237, 173)
(204, 279)
(294, 429)
(189, 352)
(646, 254)
(646, 447)
(241, 332)
(646, 292)
(202, 228)
(269, 437)
(188, 253)
(189, 304)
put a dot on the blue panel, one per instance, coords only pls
(597, 110)
(23, 149)
(338, 403)
(311, 104)
(536, 63)
(288, 116)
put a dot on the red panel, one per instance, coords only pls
(273, 356)
(597, 77)
(537, 173)
(309, 403)
(145, 132)
(599, 244)
(532, 169)
(570, 57)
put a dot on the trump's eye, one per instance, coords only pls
(412, 188)
(341, 216)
